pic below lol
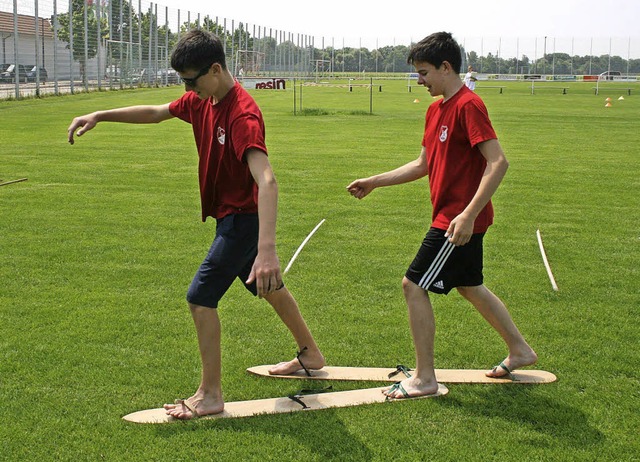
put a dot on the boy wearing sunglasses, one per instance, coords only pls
(238, 189)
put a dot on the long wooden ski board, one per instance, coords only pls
(380, 374)
(294, 403)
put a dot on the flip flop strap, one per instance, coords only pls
(401, 368)
(403, 391)
(298, 400)
(314, 391)
(504, 366)
(188, 405)
(297, 397)
(397, 386)
(301, 363)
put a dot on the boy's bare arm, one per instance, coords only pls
(266, 268)
(409, 172)
(132, 114)
(461, 227)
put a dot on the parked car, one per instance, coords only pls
(167, 76)
(9, 75)
(32, 75)
(138, 76)
(610, 75)
(112, 73)
(126, 75)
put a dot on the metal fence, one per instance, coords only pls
(59, 46)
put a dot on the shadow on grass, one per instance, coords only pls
(522, 405)
(322, 432)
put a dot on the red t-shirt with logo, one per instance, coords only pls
(453, 129)
(223, 132)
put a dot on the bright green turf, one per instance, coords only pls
(99, 246)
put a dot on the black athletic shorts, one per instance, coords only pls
(231, 256)
(440, 266)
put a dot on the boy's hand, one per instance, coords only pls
(85, 123)
(266, 273)
(460, 230)
(360, 188)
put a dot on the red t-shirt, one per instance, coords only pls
(223, 133)
(453, 129)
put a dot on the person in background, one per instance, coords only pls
(470, 79)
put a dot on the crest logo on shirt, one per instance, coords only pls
(443, 133)
(221, 135)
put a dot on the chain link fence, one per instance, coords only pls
(68, 46)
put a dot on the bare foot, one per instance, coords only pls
(411, 387)
(312, 360)
(194, 407)
(511, 363)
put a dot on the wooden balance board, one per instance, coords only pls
(294, 403)
(380, 374)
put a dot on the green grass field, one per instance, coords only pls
(99, 245)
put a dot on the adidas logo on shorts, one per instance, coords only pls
(439, 285)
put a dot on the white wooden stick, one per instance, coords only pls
(295, 255)
(546, 262)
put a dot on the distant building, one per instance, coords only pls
(32, 48)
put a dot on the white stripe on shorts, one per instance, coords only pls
(436, 265)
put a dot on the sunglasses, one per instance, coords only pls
(193, 80)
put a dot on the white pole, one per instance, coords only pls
(609, 67)
(546, 262)
(572, 54)
(517, 54)
(295, 255)
(628, 56)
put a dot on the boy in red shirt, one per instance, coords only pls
(465, 164)
(239, 190)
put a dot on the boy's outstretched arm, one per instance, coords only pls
(411, 171)
(132, 114)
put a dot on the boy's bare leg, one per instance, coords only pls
(208, 398)
(423, 329)
(287, 308)
(496, 313)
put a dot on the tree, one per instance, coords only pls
(473, 60)
(76, 24)
(160, 36)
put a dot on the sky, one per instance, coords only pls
(389, 22)
(506, 28)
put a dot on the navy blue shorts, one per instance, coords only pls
(231, 256)
(440, 266)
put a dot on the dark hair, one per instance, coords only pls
(435, 49)
(197, 50)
